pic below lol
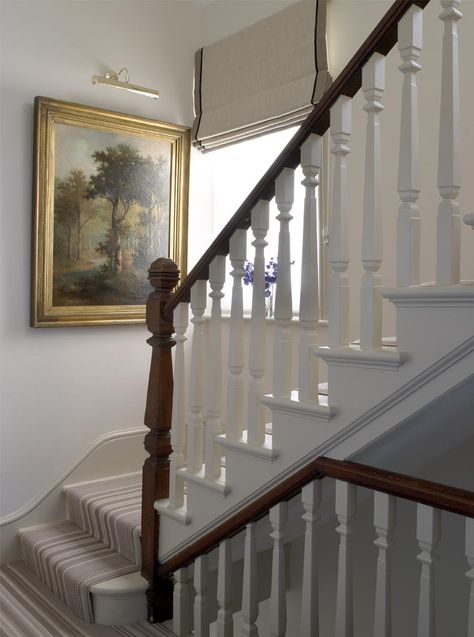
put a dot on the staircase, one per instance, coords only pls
(251, 464)
(239, 430)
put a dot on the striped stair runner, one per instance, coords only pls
(29, 609)
(110, 510)
(70, 561)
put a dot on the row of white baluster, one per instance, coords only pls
(204, 399)
(197, 613)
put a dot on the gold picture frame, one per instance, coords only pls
(110, 195)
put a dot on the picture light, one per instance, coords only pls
(112, 79)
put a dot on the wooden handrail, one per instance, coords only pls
(348, 82)
(433, 494)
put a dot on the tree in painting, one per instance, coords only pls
(72, 211)
(125, 203)
(117, 181)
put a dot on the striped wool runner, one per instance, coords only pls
(69, 561)
(110, 510)
(29, 609)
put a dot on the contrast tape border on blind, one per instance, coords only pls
(209, 136)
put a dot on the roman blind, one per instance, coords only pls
(262, 78)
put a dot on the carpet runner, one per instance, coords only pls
(29, 609)
(70, 561)
(110, 510)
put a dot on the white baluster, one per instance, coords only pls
(449, 219)
(284, 197)
(311, 499)
(408, 231)
(196, 389)
(213, 451)
(428, 526)
(178, 429)
(384, 510)
(338, 307)
(225, 624)
(250, 587)
(181, 603)
(470, 573)
(373, 85)
(235, 389)
(278, 519)
(201, 608)
(345, 511)
(309, 292)
(256, 409)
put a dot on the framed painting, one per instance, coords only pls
(110, 197)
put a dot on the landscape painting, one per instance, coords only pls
(111, 197)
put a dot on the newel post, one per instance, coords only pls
(163, 275)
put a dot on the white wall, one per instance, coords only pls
(64, 387)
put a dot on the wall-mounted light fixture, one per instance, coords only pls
(112, 79)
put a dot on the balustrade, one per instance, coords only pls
(338, 307)
(408, 231)
(203, 390)
(257, 351)
(373, 85)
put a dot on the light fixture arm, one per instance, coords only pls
(110, 78)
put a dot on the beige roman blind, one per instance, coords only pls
(262, 78)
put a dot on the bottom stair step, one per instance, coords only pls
(70, 562)
(29, 609)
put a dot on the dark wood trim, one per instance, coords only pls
(349, 81)
(164, 276)
(437, 495)
(440, 496)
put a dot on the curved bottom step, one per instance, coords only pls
(120, 600)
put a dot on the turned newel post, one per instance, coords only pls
(163, 275)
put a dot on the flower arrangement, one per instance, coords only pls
(271, 273)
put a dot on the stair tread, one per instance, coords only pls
(70, 562)
(32, 609)
(109, 510)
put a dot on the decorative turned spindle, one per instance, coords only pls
(257, 346)
(201, 603)
(284, 197)
(235, 389)
(308, 377)
(408, 224)
(428, 530)
(449, 220)
(338, 307)
(196, 377)
(178, 423)
(311, 499)
(181, 603)
(225, 622)
(213, 451)
(384, 513)
(250, 584)
(373, 85)
(278, 520)
(345, 511)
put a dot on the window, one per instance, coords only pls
(236, 169)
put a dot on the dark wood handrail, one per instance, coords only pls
(348, 82)
(434, 494)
